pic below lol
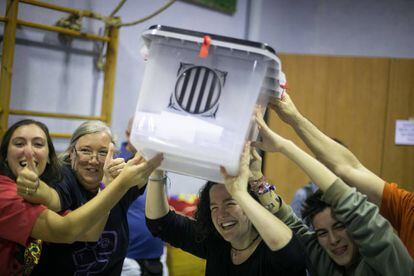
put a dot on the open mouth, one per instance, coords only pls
(228, 225)
(23, 163)
(340, 250)
(92, 170)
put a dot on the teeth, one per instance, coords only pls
(227, 224)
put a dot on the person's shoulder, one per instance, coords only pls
(6, 180)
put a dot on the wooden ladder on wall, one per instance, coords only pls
(11, 22)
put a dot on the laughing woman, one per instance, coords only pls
(27, 157)
(232, 231)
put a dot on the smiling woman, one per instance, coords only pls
(231, 230)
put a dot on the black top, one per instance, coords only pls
(179, 231)
(104, 257)
(239, 41)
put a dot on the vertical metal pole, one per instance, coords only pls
(109, 78)
(7, 63)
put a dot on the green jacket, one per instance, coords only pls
(381, 251)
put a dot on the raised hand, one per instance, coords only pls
(255, 165)
(239, 182)
(28, 177)
(271, 141)
(137, 170)
(285, 108)
(112, 167)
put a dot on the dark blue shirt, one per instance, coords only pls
(104, 257)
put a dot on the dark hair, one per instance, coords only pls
(52, 170)
(313, 205)
(202, 215)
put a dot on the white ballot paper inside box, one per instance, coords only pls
(198, 97)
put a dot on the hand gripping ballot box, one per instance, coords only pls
(198, 97)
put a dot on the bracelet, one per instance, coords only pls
(266, 194)
(161, 179)
(261, 186)
(271, 201)
(101, 185)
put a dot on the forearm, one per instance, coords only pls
(339, 159)
(95, 232)
(156, 205)
(273, 231)
(319, 174)
(53, 200)
(83, 218)
(331, 153)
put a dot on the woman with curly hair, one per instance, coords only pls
(231, 230)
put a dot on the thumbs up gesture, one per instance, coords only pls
(28, 178)
(112, 167)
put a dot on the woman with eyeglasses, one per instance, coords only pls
(27, 162)
(84, 163)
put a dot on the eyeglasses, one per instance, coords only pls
(86, 155)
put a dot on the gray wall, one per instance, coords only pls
(51, 76)
(380, 28)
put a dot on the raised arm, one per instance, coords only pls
(335, 156)
(156, 205)
(273, 231)
(34, 190)
(271, 141)
(54, 228)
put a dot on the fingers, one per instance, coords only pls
(116, 167)
(109, 155)
(259, 120)
(245, 160)
(224, 173)
(27, 183)
(154, 162)
(117, 164)
(31, 165)
(147, 167)
(136, 160)
(259, 145)
(255, 154)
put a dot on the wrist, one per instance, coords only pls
(259, 186)
(266, 194)
(256, 177)
(237, 195)
(158, 176)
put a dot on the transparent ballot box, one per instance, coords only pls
(198, 97)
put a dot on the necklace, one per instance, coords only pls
(250, 244)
